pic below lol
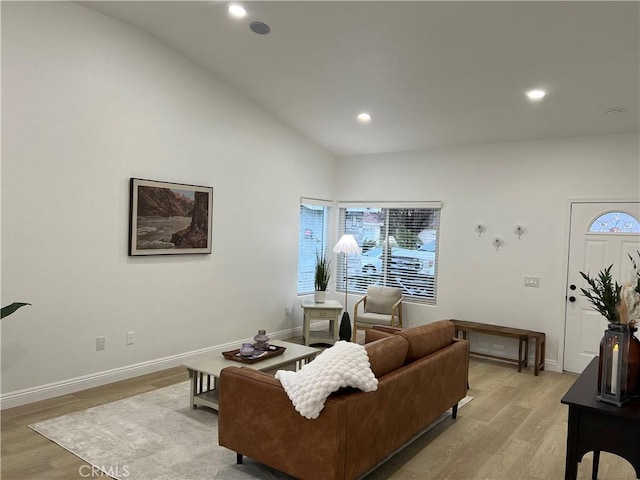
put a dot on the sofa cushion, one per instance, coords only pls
(387, 354)
(381, 299)
(426, 339)
(374, 319)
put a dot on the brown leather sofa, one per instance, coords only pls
(421, 371)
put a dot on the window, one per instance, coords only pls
(615, 222)
(399, 248)
(314, 237)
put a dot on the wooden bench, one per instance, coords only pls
(520, 334)
(540, 341)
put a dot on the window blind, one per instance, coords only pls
(314, 237)
(399, 244)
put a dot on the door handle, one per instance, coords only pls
(572, 298)
(572, 287)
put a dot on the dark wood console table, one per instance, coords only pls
(597, 426)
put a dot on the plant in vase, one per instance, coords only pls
(620, 305)
(322, 277)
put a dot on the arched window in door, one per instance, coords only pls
(615, 222)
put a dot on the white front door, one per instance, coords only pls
(601, 234)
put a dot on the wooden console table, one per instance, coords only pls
(598, 426)
(521, 335)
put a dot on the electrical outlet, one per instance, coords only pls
(100, 341)
(130, 338)
(531, 281)
(287, 310)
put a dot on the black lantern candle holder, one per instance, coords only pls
(615, 363)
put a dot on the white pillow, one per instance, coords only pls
(345, 364)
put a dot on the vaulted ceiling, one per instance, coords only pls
(431, 74)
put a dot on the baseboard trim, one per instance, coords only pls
(71, 385)
(552, 366)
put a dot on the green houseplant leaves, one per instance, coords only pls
(9, 309)
(617, 303)
(604, 294)
(323, 273)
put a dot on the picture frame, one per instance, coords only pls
(169, 218)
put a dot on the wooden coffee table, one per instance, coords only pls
(205, 373)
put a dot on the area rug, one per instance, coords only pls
(155, 436)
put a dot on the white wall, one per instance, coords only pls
(501, 186)
(87, 103)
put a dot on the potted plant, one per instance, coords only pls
(620, 305)
(322, 277)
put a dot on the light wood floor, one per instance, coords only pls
(515, 428)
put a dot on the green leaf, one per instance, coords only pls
(604, 294)
(9, 309)
(322, 273)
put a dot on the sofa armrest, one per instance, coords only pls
(468, 349)
(379, 331)
(257, 419)
(372, 334)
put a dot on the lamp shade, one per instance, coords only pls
(347, 244)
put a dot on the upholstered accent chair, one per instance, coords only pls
(380, 306)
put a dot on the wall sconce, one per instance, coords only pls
(480, 229)
(615, 364)
(520, 230)
(498, 242)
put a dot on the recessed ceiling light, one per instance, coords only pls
(536, 94)
(237, 11)
(260, 28)
(364, 117)
(614, 111)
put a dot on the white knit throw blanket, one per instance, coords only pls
(345, 364)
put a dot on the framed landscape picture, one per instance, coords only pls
(169, 218)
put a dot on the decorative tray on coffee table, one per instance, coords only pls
(256, 357)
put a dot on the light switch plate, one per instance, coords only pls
(531, 281)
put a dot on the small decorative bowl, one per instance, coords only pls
(246, 350)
